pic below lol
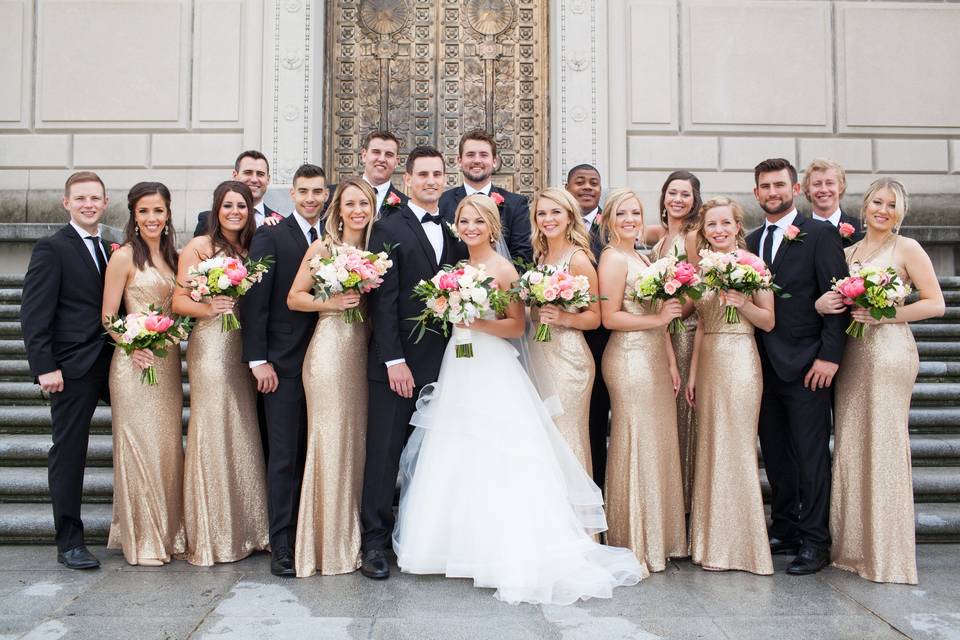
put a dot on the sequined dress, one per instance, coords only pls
(224, 485)
(335, 383)
(644, 495)
(871, 501)
(147, 520)
(728, 529)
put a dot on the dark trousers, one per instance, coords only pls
(286, 412)
(599, 407)
(71, 411)
(795, 442)
(262, 423)
(388, 427)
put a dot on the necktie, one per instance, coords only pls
(98, 252)
(768, 244)
(431, 217)
(313, 235)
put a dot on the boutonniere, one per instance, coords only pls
(497, 198)
(276, 216)
(450, 229)
(846, 230)
(793, 234)
(113, 247)
(392, 200)
(595, 225)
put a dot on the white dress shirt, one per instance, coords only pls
(381, 189)
(258, 214)
(834, 219)
(588, 218)
(89, 245)
(485, 190)
(782, 223)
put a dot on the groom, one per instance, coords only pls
(398, 368)
(799, 358)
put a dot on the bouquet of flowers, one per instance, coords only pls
(348, 269)
(222, 276)
(458, 295)
(877, 289)
(735, 271)
(545, 284)
(669, 277)
(152, 331)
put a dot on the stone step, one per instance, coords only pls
(19, 393)
(930, 332)
(19, 370)
(930, 484)
(33, 419)
(29, 484)
(10, 311)
(11, 296)
(933, 369)
(936, 350)
(25, 449)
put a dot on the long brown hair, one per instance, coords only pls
(168, 239)
(217, 239)
(690, 221)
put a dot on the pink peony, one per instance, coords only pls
(448, 282)
(685, 273)
(851, 287)
(157, 323)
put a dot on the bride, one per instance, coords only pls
(490, 490)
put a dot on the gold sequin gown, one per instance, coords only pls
(871, 501)
(335, 382)
(224, 485)
(147, 520)
(568, 366)
(728, 529)
(644, 492)
(686, 415)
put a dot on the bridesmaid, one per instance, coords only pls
(564, 365)
(644, 492)
(147, 518)
(871, 502)
(224, 486)
(679, 206)
(728, 529)
(335, 381)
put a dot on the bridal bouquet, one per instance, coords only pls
(877, 289)
(735, 271)
(669, 277)
(545, 284)
(222, 276)
(458, 295)
(348, 269)
(151, 331)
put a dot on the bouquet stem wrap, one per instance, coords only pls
(731, 315)
(229, 322)
(544, 333)
(149, 376)
(463, 339)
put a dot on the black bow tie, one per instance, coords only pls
(431, 217)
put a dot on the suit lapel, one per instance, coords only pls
(753, 241)
(294, 227)
(798, 222)
(81, 246)
(411, 221)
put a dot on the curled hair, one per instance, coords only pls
(168, 239)
(899, 195)
(334, 217)
(690, 221)
(822, 164)
(487, 209)
(576, 232)
(608, 220)
(219, 241)
(738, 217)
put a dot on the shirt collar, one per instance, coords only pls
(83, 232)
(259, 208)
(304, 225)
(833, 219)
(379, 188)
(418, 211)
(485, 189)
(783, 222)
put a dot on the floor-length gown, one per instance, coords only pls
(491, 490)
(147, 520)
(871, 501)
(567, 367)
(644, 495)
(335, 383)
(225, 487)
(728, 529)
(683, 349)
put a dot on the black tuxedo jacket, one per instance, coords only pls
(596, 244)
(804, 268)
(391, 305)
(514, 216)
(384, 208)
(271, 331)
(61, 306)
(858, 229)
(203, 216)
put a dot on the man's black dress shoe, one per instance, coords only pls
(781, 547)
(375, 565)
(281, 562)
(78, 558)
(809, 560)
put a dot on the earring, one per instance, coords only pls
(166, 230)
(340, 226)
(137, 230)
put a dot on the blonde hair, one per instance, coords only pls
(899, 195)
(488, 210)
(738, 216)
(608, 222)
(576, 232)
(334, 224)
(823, 164)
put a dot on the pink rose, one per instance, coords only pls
(566, 294)
(114, 246)
(195, 296)
(685, 273)
(448, 282)
(439, 305)
(157, 323)
(792, 232)
(550, 294)
(670, 287)
(497, 198)
(851, 287)
(846, 230)
(535, 277)
(392, 200)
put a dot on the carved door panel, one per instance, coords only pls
(428, 70)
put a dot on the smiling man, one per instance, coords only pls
(824, 183)
(252, 169)
(275, 341)
(379, 156)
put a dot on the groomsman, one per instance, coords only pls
(67, 349)
(275, 341)
(252, 169)
(477, 159)
(824, 183)
(379, 156)
(397, 366)
(583, 182)
(799, 359)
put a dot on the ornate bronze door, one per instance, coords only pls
(428, 70)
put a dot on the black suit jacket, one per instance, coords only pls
(61, 306)
(596, 244)
(391, 305)
(857, 229)
(203, 216)
(271, 331)
(804, 268)
(514, 216)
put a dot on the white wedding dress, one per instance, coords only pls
(491, 491)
